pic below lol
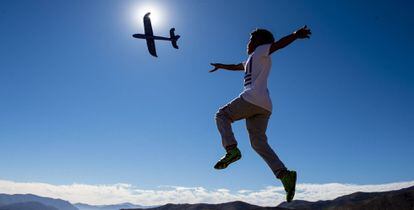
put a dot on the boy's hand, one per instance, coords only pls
(303, 32)
(217, 66)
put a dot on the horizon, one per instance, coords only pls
(82, 101)
(115, 194)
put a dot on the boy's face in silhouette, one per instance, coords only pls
(253, 43)
(251, 46)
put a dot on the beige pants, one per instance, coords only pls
(256, 122)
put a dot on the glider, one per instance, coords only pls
(149, 36)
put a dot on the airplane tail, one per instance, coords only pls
(174, 38)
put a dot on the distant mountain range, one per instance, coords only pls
(236, 205)
(82, 206)
(27, 206)
(392, 200)
(32, 202)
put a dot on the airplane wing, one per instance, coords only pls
(149, 33)
(151, 47)
(147, 25)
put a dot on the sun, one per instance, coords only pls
(157, 14)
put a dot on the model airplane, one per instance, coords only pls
(149, 36)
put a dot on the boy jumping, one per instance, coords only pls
(254, 105)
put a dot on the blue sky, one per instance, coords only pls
(84, 102)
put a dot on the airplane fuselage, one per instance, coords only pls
(143, 36)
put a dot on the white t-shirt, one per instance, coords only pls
(257, 69)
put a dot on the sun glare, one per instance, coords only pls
(156, 16)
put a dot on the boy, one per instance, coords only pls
(254, 105)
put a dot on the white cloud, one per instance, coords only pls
(119, 193)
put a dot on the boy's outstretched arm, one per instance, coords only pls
(231, 67)
(302, 33)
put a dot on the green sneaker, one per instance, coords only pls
(289, 183)
(231, 157)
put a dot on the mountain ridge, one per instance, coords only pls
(84, 206)
(235, 205)
(390, 200)
(6, 199)
(31, 205)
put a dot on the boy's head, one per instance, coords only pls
(259, 37)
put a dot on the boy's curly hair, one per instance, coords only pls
(263, 36)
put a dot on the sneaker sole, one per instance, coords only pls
(225, 165)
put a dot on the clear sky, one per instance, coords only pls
(81, 101)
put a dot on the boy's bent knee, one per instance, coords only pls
(258, 141)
